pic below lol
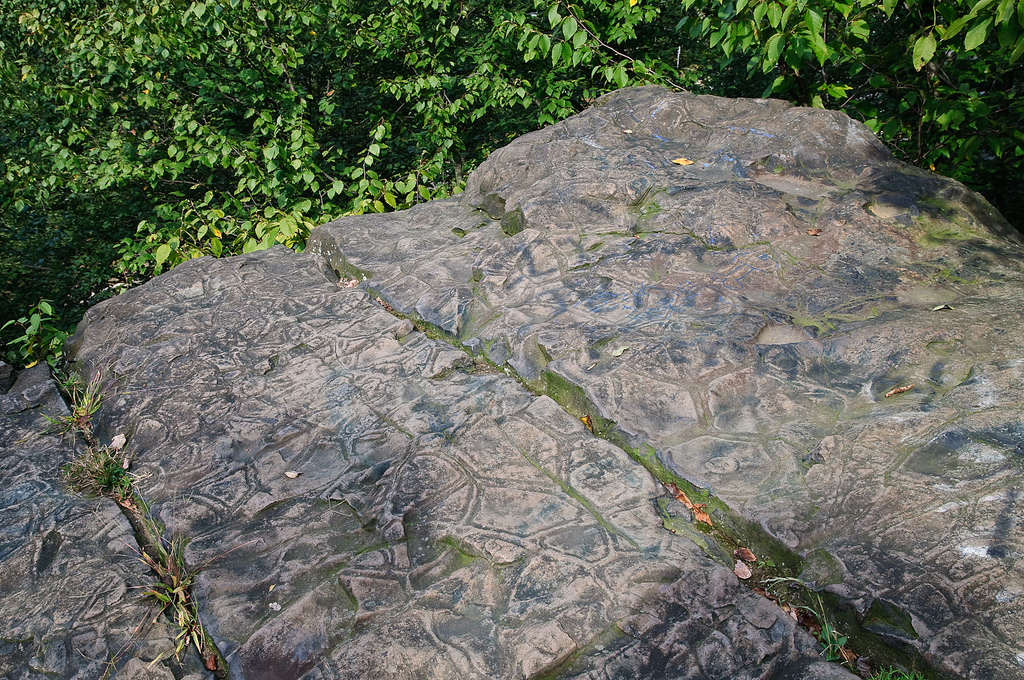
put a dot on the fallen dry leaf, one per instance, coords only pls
(627, 132)
(848, 656)
(211, 663)
(272, 586)
(117, 443)
(744, 554)
(700, 515)
(618, 352)
(292, 474)
(682, 161)
(589, 423)
(742, 570)
(814, 232)
(696, 508)
(940, 308)
(899, 390)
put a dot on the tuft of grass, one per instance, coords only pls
(832, 641)
(85, 400)
(894, 674)
(174, 593)
(100, 472)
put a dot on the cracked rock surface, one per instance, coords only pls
(369, 502)
(444, 523)
(743, 285)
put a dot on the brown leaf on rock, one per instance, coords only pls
(589, 423)
(814, 232)
(696, 508)
(899, 390)
(679, 495)
(211, 662)
(700, 515)
(682, 161)
(847, 654)
(744, 554)
(742, 570)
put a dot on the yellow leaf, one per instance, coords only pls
(216, 232)
(632, 3)
(683, 161)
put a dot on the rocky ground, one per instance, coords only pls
(523, 432)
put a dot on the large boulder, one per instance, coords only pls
(733, 292)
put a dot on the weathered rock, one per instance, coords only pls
(777, 278)
(446, 523)
(449, 523)
(70, 584)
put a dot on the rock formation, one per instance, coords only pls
(424, 448)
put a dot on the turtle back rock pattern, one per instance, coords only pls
(363, 503)
(746, 288)
(734, 291)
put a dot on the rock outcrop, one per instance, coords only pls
(748, 298)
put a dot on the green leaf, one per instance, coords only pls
(774, 14)
(924, 50)
(1004, 12)
(813, 21)
(161, 254)
(1018, 50)
(569, 27)
(957, 26)
(976, 35)
(773, 49)
(888, 6)
(553, 16)
(760, 10)
(620, 76)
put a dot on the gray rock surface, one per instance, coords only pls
(774, 274)
(444, 523)
(448, 522)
